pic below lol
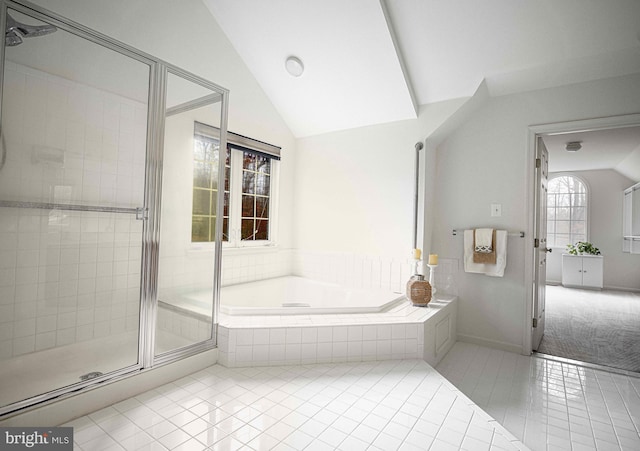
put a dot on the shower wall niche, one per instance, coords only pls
(82, 130)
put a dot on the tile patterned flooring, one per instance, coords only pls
(385, 405)
(400, 404)
(549, 405)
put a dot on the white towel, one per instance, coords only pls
(484, 238)
(496, 270)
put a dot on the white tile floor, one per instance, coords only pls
(401, 404)
(379, 405)
(546, 404)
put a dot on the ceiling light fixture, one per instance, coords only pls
(573, 146)
(294, 66)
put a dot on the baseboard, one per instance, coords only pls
(606, 287)
(66, 409)
(632, 290)
(509, 347)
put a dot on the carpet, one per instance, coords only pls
(601, 327)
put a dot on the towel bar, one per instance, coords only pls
(520, 234)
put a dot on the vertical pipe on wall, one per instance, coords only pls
(419, 147)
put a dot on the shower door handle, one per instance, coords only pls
(142, 213)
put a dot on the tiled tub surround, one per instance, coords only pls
(246, 265)
(287, 295)
(191, 270)
(370, 271)
(403, 332)
(186, 271)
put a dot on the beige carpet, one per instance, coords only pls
(601, 327)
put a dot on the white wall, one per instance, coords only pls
(605, 230)
(355, 188)
(483, 162)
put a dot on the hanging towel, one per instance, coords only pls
(484, 246)
(494, 270)
(484, 239)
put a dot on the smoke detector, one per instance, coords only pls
(294, 66)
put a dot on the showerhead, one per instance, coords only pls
(15, 31)
(11, 39)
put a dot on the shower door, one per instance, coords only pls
(72, 188)
(193, 206)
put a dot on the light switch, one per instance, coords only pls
(496, 209)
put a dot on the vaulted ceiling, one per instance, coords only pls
(373, 61)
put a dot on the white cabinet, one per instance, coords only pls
(585, 271)
(631, 220)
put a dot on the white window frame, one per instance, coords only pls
(586, 207)
(235, 205)
(235, 196)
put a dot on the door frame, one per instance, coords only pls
(533, 131)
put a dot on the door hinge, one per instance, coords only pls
(538, 163)
(535, 322)
(536, 242)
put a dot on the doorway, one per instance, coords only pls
(575, 322)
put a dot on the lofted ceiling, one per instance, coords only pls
(372, 61)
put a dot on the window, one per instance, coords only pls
(256, 189)
(206, 152)
(566, 211)
(250, 174)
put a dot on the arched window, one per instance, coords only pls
(566, 211)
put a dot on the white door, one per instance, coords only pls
(540, 251)
(571, 271)
(592, 272)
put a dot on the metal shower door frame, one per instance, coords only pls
(149, 212)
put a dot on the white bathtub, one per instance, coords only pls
(289, 295)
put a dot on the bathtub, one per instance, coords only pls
(289, 295)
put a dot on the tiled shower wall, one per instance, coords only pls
(68, 276)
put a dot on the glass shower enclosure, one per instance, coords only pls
(96, 145)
